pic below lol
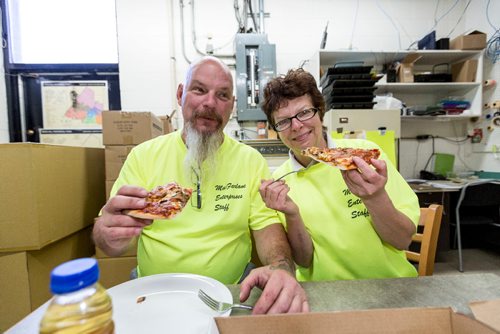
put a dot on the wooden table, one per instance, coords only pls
(455, 291)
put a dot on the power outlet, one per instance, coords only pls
(477, 136)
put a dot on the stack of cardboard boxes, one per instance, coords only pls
(49, 197)
(121, 132)
(465, 71)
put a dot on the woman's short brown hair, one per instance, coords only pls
(295, 83)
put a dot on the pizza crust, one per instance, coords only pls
(331, 163)
(142, 215)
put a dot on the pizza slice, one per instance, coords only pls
(341, 157)
(163, 202)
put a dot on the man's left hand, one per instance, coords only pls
(281, 291)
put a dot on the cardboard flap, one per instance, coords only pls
(411, 58)
(462, 324)
(487, 312)
(403, 320)
(476, 32)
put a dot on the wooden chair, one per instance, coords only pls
(430, 219)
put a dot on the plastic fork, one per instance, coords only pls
(218, 306)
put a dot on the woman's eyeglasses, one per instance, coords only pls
(197, 181)
(303, 115)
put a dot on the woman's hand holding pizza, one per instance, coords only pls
(366, 182)
(392, 226)
(114, 230)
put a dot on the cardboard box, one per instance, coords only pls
(48, 192)
(115, 270)
(131, 252)
(109, 186)
(404, 320)
(114, 157)
(25, 277)
(464, 71)
(167, 123)
(475, 40)
(72, 137)
(129, 128)
(487, 312)
(405, 68)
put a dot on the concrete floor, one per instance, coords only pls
(474, 261)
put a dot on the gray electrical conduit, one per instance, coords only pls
(193, 34)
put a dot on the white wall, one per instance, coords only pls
(147, 75)
(152, 62)
(486, 160)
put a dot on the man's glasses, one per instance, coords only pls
(196, 180)
(303, 115)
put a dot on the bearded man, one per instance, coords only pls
(211, 236)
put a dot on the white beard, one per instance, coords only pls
(201, 148)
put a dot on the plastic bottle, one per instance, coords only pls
(80, 304)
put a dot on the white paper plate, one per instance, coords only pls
(171, 304)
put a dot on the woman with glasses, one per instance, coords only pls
(351, 224)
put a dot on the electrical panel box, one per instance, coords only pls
(255, 66)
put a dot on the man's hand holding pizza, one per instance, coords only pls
(114, 230)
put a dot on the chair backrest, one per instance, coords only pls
(430, 219)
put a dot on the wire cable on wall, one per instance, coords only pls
(432, 153)
(194, 34)
(444, 15)
(392, 22)
(183, 44)
(240, 17)
(437, 20)
(354, 22)
(459, 146)
(252, 15)
(459, 19)
(493, 44)
(416, 159)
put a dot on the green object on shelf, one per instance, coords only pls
(443, 163)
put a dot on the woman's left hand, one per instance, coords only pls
(366, 182)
